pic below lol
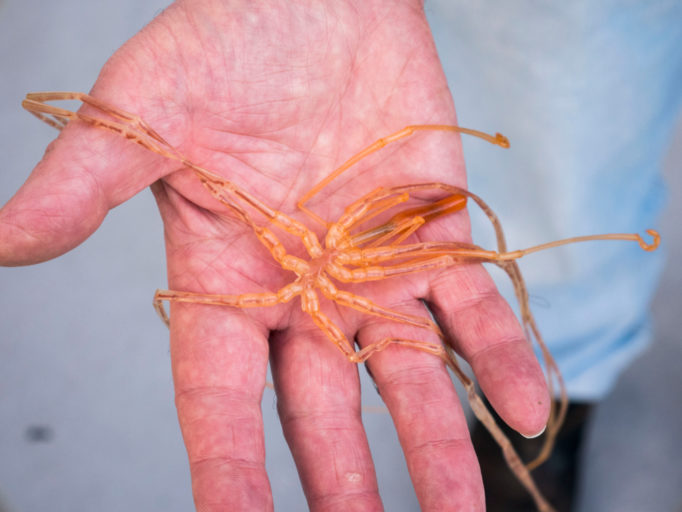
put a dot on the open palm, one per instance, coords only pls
(274, 96)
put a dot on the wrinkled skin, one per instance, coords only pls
(274, 95)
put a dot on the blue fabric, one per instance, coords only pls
(588, 94)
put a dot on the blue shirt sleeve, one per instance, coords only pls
(588, 94)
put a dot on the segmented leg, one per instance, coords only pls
(430, 348)
(378, 272)
(431, 255)
(362, 210)
(339, 339)
(310, 304)
(407, 221)
(392, 233)
(132, 127)
(135, 129)
(381, 200)
(453, 190)
(498, 139)
(245, 300)
(556, 415)
(365, 305)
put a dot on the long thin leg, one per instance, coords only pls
(133, 127)
(406, 222)
(381, 200)
(400, 230)
(245, 300)
(379, 272)
(341, 341)
(382, 235)
(365, 305)
(453, 190)
(330, 330)
(401, 225)
(310, 305)
(497, 139)
(362, 210)
(557, 415)
(370, 255)
(138, 131)
(430, 348)
(429, 254)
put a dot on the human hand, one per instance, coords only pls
(275, 98)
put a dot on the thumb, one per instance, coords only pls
(84, 173)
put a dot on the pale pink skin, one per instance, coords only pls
(274, 95)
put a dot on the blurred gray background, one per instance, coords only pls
(87, 420)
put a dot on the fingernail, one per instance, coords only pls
(536, 435)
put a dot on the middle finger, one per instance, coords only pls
(318, 400)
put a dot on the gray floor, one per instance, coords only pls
(87, 420)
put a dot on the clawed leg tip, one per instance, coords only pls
(501, 140)
(655, 242)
